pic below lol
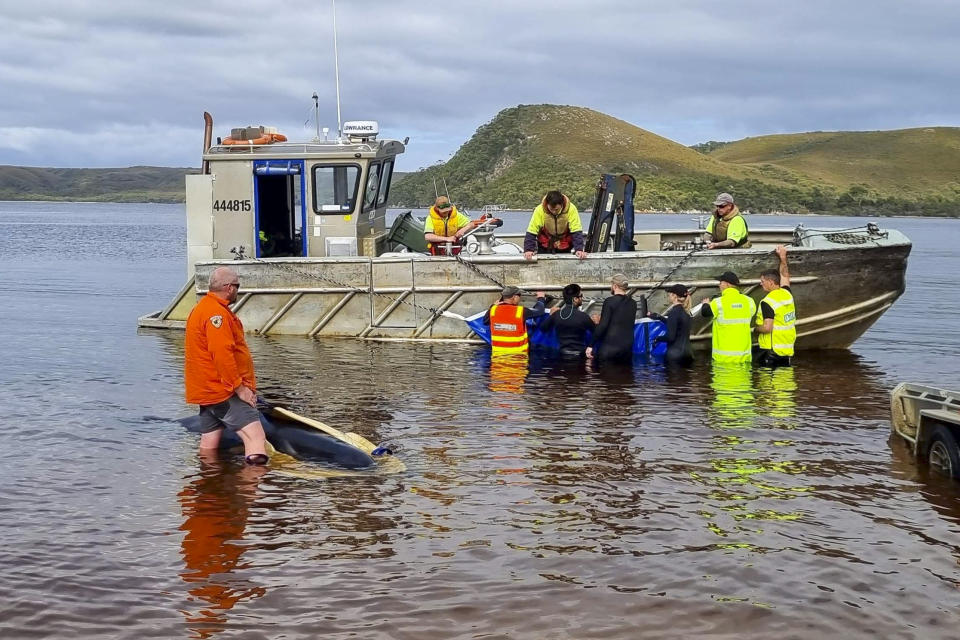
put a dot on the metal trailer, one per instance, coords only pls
(928, 418)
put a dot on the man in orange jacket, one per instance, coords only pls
(218, 370)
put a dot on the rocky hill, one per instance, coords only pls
(526, 150)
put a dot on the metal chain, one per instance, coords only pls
(479, 272)
(683, 261)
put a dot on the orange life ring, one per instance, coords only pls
(267, 138)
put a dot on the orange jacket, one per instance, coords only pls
(217, 359)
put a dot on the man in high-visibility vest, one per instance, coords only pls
(727, 228)
(777, 316)
(508, 321)
(732, 315)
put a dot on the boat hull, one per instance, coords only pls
(840, 288)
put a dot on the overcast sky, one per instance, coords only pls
(96, 83)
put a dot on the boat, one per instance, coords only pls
(928, 419)
(304, 225)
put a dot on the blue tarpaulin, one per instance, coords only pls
(644, 332)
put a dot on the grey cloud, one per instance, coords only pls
(688, 70)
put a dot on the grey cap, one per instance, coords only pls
(723, 198)
(509, 291)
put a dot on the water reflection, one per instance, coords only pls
(748, 479)
(215, 508)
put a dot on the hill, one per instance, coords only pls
(131, 184)
(526, 150)
(916, 162)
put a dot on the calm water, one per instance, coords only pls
(557, 504)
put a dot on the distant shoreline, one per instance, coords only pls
(524, 211)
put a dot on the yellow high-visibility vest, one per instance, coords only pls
(732, 317)
(784, 323)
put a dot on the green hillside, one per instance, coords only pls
(131, 184)
(917, 162)
(526, 150)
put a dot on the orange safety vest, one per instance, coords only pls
(216, 357)
(508, 331)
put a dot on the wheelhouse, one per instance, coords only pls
(273, 199)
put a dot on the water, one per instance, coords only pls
(560, 503)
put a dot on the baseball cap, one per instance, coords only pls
(723, 198)
(678, 290)
(509, 291)
(729, 276)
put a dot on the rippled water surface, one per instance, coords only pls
(553, 502)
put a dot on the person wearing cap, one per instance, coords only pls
(571, 324)
(554, 227)
(732, 315)
(777, 316)
(445, 226)
(677, 320)
(613, 339)
(508, 321)
(727, 228)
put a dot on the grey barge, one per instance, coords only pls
(304, 226)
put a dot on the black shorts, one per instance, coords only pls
(767, 358)
(233, 413)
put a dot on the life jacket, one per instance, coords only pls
(508, 330)
(732, 315)
(443, 226)
(784, 334)
(555, 234)
(720, 228)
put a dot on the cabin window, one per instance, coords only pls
(335, 188)
(373, 185)
(385, 177)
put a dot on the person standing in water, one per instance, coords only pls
(218, 370)
(613, 339)
(571, 324)
(677, 320)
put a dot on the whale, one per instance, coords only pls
(288, 435)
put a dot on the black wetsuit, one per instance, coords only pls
(677, 337)
(572, 326)
(614, 334)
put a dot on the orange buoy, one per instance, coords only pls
(267, 138)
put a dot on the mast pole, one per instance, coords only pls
(336, 66)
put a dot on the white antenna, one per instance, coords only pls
(336, 66)
(316, 111)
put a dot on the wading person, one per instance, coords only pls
(677, 320)
(613, 339)
(777, 316)
(732, 314)
(508, 321)
(727, 228)
(554, 228)
(218, 370)
(571, 324)
(445, 226)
